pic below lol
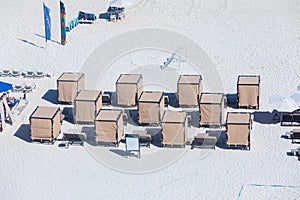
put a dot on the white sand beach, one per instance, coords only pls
(220, 39)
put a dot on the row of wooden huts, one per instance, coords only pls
(151, 108)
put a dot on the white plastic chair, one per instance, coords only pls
(15, 73)
(39, 74)
(5, 72)
(29, 88)
(18, 87)
(29, 74)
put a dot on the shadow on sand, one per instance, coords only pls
(231, 100)
(68, 113)
(132, 116)
(103, 16)
(123, 153)
(195, 118)
(90, 135)
(221, 137)
(113, 97)
(23, 133)
(156, 136)
(31, 43)
(265, 117)
(51, 96)
(173, 101)
(42, 36)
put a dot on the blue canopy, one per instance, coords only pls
(4, 87)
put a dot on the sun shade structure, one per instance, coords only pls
(68, 85)
(211, 109)
(189, 88)
(248, 91)
(45, 123)
(150, 107)
(129, 88)
(87, 104)
(238, 128)
(4, 87)
(174, 128)
(109, 126)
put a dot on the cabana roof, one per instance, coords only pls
(108, 115)
(151, 97)
(238, 118)
(88, 95)
(174, 116)
(45, 112)
(248, 80)
(211, 98)
(129, 78)
(70, 76)
(189, 79)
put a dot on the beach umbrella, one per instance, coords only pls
(4, 87)
(296, 98)
(282, 102)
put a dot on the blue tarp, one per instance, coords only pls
(4, 87)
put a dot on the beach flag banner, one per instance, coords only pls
(63, 24)
(47, 22)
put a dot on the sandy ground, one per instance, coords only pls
(229, 37)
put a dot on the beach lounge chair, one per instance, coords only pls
(295, 135)
(18, 87)
(86, 16)
(276, 117)
(39, 74)
(49, 74)
(286, 119)
(106, 100)
(291, 119)
(120, 16)
(29, 88)
(29, 74)
(144, 138)
(112, 18)
(15, 73)
(204, 141)
(296, 119)
(74, 138)
(296, 152)
(5, 72)
(115, 13)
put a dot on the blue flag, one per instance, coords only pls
(47, 22)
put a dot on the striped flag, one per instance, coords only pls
(63, 23)
(47, 22)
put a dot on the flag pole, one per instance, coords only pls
(45, 25)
